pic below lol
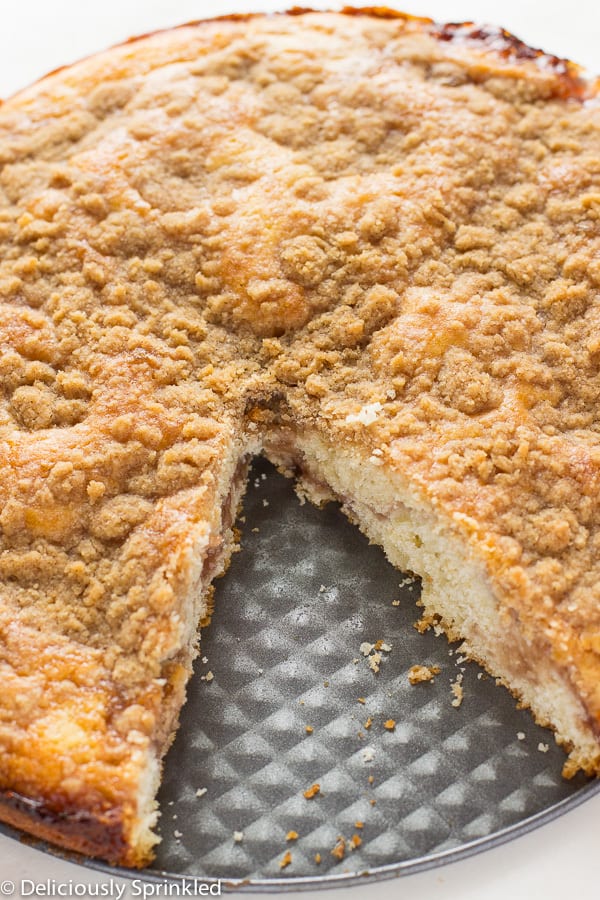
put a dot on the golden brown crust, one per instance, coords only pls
(93, 833)
(214, 232)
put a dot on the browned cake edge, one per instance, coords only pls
(93, 832)
(571, 81)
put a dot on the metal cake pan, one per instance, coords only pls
(283, 655)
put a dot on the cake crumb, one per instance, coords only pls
(311, 792)
(395, 603)
(365, 648)
(389, 725)
(291, 836)
(417, 674)
(359, 824)
(361, 700)
(520, 735)
(355, 841)
(543, 748)
(368, 754)
(368, 723)
(201, 792)
(457, 689)
(178, 834)
(375, 662)
(309, 729)
(286, 861)
(318, 858)
(339, 851)
(238, 836)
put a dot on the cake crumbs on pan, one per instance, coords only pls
(373, 653)
(339, 851)
(457, 689)
(375, 662)
(238, 837)
(291, 836)
(286, 861)
(389, 725)
(383, 645)
(312, 791)
(417, 674)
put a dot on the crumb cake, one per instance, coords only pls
(362, 243)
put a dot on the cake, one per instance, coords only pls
(364, 244)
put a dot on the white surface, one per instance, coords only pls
(557, 861)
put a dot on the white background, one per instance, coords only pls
(561, 859)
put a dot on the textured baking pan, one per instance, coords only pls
(284, 698)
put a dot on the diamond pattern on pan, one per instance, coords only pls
(300, 598)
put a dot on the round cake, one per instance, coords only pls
(364, 244)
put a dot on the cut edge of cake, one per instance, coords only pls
(457, 593)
